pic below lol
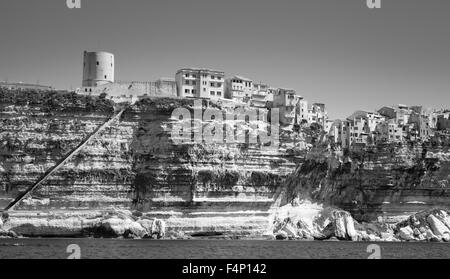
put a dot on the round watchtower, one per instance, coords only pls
(98, 68)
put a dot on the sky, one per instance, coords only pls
(340, 53)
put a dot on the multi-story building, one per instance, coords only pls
(302, 111)
(372, 118)
(355, 131)
(390, 131)
(443, 121)
(239, 88)
(260, 97)
(317, 114)
(334, 130)
(420, 124)
(286, 100)
(200, 83)
(400, 113)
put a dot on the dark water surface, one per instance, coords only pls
(214, 249)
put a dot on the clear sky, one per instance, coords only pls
(334, 51)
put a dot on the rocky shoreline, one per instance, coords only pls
(335, 224)
(288, 223)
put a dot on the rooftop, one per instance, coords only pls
(200, 70)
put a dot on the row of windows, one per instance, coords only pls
(212, 84)
(203, 75)
(193, 91)
(247, 83)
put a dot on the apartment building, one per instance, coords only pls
(239, 88)
(372, 118)
(399, 113)
(287, 101)
(200, 83)
(260, 97)
(317, 114)
(391, 131)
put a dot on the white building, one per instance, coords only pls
(239, 88)
(200, 83)
(372, 118)
(261, 96)
(317, 114)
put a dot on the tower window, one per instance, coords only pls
(106, 76)
(98, 63)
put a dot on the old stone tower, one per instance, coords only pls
(98, 68)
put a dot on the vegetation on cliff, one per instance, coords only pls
(55, 101)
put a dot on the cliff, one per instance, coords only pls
(387, 181)
(134, 180)
(133, 165)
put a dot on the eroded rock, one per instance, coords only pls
(406, 233)
(439, 229)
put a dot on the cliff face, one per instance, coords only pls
(196, 188)
(390, 181)
(134, 165)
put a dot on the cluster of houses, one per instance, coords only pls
(393, 124)
(211, 84)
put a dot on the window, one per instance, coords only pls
(219, 78)
(213, 93)
(193, 91)
(98, 63)
(187, 82)
(212, 84)
(213, 77)
(187, 75)
(186, 90)
(106, 76)
(194, 76)
(219, 93)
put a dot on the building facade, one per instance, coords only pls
(390, 131)
(443, 121)
(200, 83)
(317, 114)
(239, 88)
(287, 101)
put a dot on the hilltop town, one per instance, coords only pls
(390, 124)
(106, 153)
